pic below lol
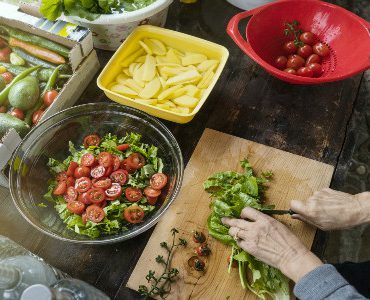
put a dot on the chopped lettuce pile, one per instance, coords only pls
(89, 9)
(231, 192)
(113, 221)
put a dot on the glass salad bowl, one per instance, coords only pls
(29, 173)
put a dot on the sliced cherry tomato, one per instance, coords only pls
(95, 195)
(133, 214)
(135, 161)
(105, 159)
(108, 171)
(8, 77)
(305, 72)
(133, 194)
(62, 176)
(76, 207)
(71, 168)
(18, 113)
(295, 62)
(308, 38)
(97, 172)
(70, 181)
(290, 47)
(305, 51)
(316, 69)
(102, 183)
(114, 191)
(83, 184)
(203, 250)
(158, 181)
(280, 62)
(199, 237)
(151, 200)
(116, 162)
(36, 116)
(234, 264)
(123, 147)
(321, 49)
(71, 194)
(102, 204)
(91, 140)
(3, 43)
(120, 176)
(60, 189)
(3, 109)
(125, 167)
(87, 159)
(313, 58)
(49, 97)
(81, 171)
(83, 198)
(150, 192)
(291, 71)
(94, 213)
(84, 217)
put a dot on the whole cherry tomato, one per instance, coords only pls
(291, 71)
(8, 77)
(316, 69)
(313, 58)
(308, 38)
(305, 51)
(5, 54)
(280, 62)
(37, 116)
(321, 49)
(3, 109)
(18, 113)
(305, 72)
(49, 97)
(290, 47)
(295, 62)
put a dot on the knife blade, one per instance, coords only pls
(277, 212)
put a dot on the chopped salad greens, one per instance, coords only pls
(89, 9)
(231, 192)
(107, 184)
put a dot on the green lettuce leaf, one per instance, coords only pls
(51, 9)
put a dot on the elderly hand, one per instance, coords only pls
(328, 209)
(272, 242)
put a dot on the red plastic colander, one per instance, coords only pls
(346, 34)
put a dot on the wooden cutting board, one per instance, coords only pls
(295, 177)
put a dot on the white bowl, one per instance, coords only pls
(248, 4)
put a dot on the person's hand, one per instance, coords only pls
(328, 209)
(272, 242)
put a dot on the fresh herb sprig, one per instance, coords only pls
(292, 29)
(161, 285)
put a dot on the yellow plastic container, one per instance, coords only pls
(175, 40)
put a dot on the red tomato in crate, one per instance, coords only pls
(49, 97)
(8, 77)
(18, 113)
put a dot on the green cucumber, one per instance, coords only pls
(8, 121)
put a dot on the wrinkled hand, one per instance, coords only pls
(272, 242)
(328, 209)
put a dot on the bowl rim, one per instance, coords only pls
(115, 239)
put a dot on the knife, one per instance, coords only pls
(277, 212)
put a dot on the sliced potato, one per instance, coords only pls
(186, 101)
(127, 72)
(121, 78)
(109, 86)
(145, 47)
(206, 80)
(184, 110)
(172, 57)
(132, 84)
(187, 76)
(138, 76)
(141, 59)
(157, 47)
(149, 68)
(172, 71)
(131, 58)
(191, 90)
(163, 82)
(165, 94)
(132, 67)
(207, 64)
(150, 89)
(178, 93)
(124, 90)
(163, 106)
(175, 109)
(146, 101)
(193, 59)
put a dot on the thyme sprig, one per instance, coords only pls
(161, 285)
(292, 29)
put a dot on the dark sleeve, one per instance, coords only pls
(325, 282)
